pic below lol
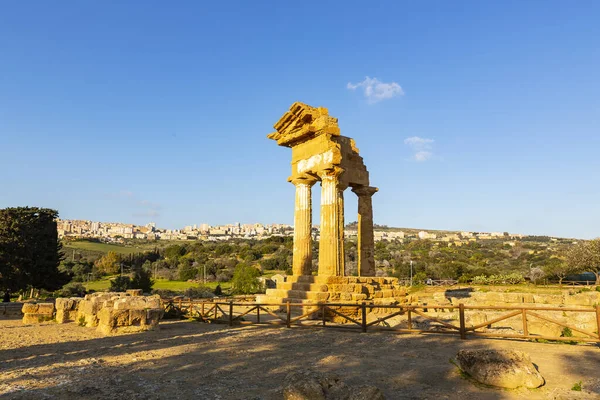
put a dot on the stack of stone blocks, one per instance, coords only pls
(108, 312)
(34, 313)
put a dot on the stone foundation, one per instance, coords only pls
(34, 313)
(337, 289)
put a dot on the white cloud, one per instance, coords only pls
(423, 155)
(375, 90)
(421, 146)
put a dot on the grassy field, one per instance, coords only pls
(103, 248)
(176, 286)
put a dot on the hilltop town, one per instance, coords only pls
(117, 231)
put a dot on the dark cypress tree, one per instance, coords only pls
(29, 249)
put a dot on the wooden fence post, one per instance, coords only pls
(363, 308)
(598, 319)
(409, 319)
(461, 317)
(525, 330)
(323, 313)
(258, 314)
(289, 314)
(180, 305)
(230, 312)
(202, 309)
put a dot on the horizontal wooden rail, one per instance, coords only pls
(317, 315)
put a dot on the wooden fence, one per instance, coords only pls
(318, 315)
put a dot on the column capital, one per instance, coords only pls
(303, 180)
(365, 190)
(331, 173)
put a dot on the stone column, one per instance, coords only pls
(302, 261)
(331, 258)
(366, 241)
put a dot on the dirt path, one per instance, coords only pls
(191, 360)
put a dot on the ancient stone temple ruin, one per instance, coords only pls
(321, 154)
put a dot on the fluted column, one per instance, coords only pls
(331, 244)
(366, 241)
(302, 258)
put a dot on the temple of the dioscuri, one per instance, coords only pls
(321, 154)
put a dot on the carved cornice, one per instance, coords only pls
(303, 122)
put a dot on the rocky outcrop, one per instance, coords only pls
(502, 368)
(311, 385)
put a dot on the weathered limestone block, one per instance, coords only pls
(134, 292)
(513, 298)
(37, 312)
(582, 299)
(475, 318)
(503, 368)
(67, 309)
(554, 299)
(528, 298)
(543, 328)
(130, 314)
(311, 385)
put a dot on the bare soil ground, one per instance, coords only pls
(192, 360)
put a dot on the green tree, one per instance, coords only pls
(584, 257)
(245, 279)
(186, 271)
(109, 264)
(29, 249)
(558, 268)
(142, 280)
(120, 284)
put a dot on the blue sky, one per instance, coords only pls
(479, 115)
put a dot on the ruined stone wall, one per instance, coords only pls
(108, 312)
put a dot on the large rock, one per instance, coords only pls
(503, 368)
(311, 385)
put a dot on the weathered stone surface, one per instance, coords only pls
(134, 292)
(311, 385)
(36, 318)
(37, 312)
(503, 368)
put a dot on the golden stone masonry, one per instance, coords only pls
(320, 153)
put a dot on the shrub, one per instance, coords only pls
(120, 284)
(73, 289)
(200, 292)
(511, 279)
(141, 280)
(577, 387)
(419, 278)
(245, 280)
(464, 279)
(480, 280)
(218, 290)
